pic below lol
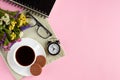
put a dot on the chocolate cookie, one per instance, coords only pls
(35, 69)
(41, 60)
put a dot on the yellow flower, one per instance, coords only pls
(13, 23)
(20, 23)
(11, 27)
(22, 20)
(13, 36)
(22, 16)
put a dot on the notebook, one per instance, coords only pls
(41, 7)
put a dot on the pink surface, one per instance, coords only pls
(89, 31)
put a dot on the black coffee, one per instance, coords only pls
(25, 55)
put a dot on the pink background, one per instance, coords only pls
(89, 31)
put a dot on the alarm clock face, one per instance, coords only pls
(54, 48)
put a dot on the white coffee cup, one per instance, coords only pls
(24, 56)
(13, 63)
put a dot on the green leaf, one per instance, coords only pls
(7, 33)
(1, 27)
(17, 32)
(1, 35)
(6, 42)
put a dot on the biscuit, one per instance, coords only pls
(41, 60)
(35, 69)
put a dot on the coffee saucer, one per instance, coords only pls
(24, 70)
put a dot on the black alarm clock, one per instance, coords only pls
(53, 47)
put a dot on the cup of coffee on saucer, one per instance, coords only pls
(26, 56)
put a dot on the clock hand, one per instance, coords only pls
(53, 48)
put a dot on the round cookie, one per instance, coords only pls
(35, 69)
(41, 60)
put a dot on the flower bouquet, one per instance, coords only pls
(12, 23)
